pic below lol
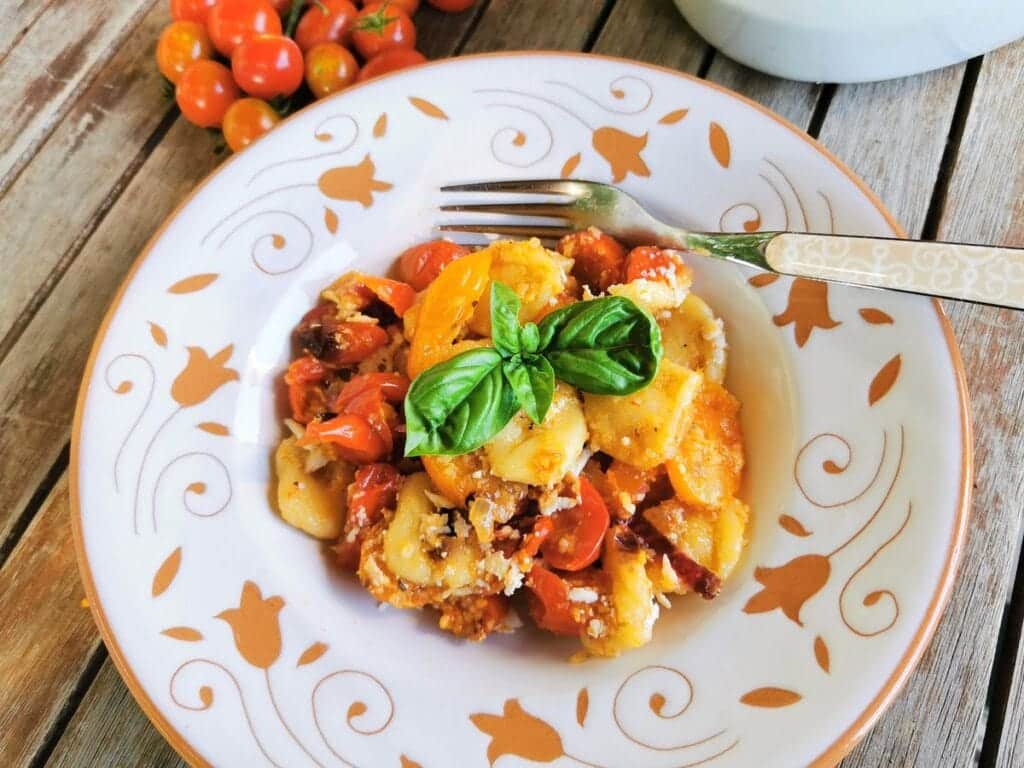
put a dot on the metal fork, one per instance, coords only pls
(982, 274)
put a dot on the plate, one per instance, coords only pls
(245, 647)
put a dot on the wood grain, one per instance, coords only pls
(938, 718)
(46, 635)
(509, 25)
(794, 101)
(39, 379)
(893, 135)
(441, 34)
(63, 187)
(109, 729)
(43, 73)
(653, 31)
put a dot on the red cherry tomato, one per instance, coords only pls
(329, 68)
(368, 395)
(305, 396)
(374, 488)
(180, 44)
(191, 10)
(380, 27)
(543, 527)
(328, 21)
(204, 92)
(352, 435)
(282, 6)
(549, 602)
(247, 120)
(409, 6)
(451, 6)
(338, 343)
(391, 60)
(422, 263)
(598, 259)
(397, 295)
(267, 66)
(232, 21)
(652, 263)
(576, 541)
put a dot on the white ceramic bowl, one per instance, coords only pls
(851, 41)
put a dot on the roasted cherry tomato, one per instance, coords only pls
(599, 259)
(267, 66)
(576, 541)
(409, 6)
(380, 27)
(352, 436)
(305, 396)
(204, 92)
(232, 21)
(543, 527)
(191, 10)
(549, 602)
(329, 68)
(180, 44)
(451, 6)
(422, 263)
(374, 489)
(338, 343)
(397, 295)
(652, 263)
(369, 395)
(447, 307)
(247, 120)
(391, 60)
(327, 21)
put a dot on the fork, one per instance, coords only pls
(982, 274)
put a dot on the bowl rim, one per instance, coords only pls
(849, 738)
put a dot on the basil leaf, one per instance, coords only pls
(505, 319)
(529, 339)
(456, 406)
(533, 381)
(606, 346)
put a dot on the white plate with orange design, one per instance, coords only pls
(246, 648)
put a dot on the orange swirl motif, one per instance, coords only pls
(325, 131)
(194, 488)
(519, 139)
(123, 387)
(617, 90)
(831, 467)
(357, 709)
(273, 243)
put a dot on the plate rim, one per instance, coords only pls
(853, 733)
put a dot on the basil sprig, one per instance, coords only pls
(607, 346)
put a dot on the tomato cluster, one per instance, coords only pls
(240, 65)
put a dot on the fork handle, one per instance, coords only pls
(980, 273)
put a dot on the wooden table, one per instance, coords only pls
(93, 157)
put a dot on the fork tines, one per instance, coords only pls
(548, 220)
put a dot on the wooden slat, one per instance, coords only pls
(18, 16)
(46, 635)
(64, 190)
(893, 134)
(538, 24)
(794, 101)
(109, 729)
(440, 34)
(48, 67)
(39, 378)
(653, 31)
(938, 718)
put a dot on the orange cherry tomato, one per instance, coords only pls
(247, 120)
(652, 263)
(420, 265)
(232, 21)
(204, 92)
(447, 307)
(451, 6)
(599, 259)
(329, 68)
(391, 60)
(353, 436)
(549, 602)
(191, 10)
(397, 295)
(282, 6)
(267, 66)
(382, 26)
(180, 44)
(374, 488)
(305, 396)
(576, 541)
(328, 21)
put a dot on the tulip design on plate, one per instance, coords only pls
(255, 625)
(789, 586)
(806, 309)
(203, 375)
(355, 183)
(622, 152)
(517, 732)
